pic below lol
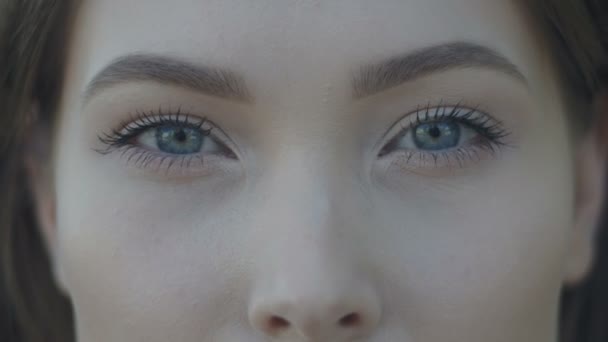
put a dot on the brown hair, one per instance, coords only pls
(33, 36)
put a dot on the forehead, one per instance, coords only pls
(321, 37)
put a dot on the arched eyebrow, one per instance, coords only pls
(377, 77)
(368, 80)
(212, 81)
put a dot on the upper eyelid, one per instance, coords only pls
(140, 121)
(462, 113)
(162, 117)
(453, 111)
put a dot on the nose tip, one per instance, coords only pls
(316, 318)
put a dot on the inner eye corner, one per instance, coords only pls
(228, 151)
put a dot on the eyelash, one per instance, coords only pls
(143, 121)
(491, 132)
(140, 122)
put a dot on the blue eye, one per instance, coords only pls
(170, 142)
(437, 135)
(444, 135)
(178, 140)
(172, 134)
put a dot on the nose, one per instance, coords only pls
(313, 282)
(312, 315)
(312, 288)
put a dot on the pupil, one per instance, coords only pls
(180, 136)
(435, 132)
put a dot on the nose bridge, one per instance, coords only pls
(308, 206)
(310, 284)
(302, 184)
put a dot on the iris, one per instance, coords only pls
(179, 140)
(436, 135)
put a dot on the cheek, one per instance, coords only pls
(149, 254)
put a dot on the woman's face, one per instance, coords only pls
(312, 171)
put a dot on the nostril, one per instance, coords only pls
(277, 323)
(350, 320)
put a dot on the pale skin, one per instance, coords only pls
(299, 224)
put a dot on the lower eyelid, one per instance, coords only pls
(437, 162)
(142, 162)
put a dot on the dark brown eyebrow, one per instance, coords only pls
(374, 78)
(166, 70)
